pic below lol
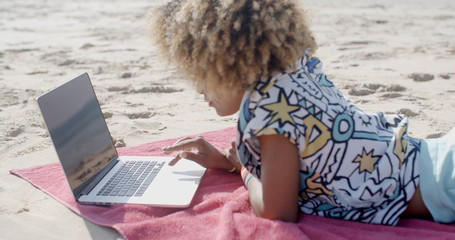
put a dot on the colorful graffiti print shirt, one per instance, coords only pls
(353, 165)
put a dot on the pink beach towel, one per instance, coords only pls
(220, 210)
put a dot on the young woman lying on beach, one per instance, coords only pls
(301, 145)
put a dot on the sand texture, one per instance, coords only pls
(392, 56)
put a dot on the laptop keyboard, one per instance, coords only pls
(132, 179)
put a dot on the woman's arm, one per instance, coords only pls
(202, 152)
(276, 195)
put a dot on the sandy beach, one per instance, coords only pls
(391, 56)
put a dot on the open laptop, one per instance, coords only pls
(95, 172)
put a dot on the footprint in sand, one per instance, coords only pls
(392, 95)
(158, 89)
(139, 115)
(421, 77)
(392, 91)
(363, 90)
(434, 135)
(66, 62)
(408, 112)
(22, 210)
(405, 111)
(87, 46)
(118, 89)
(14, 131)
(126, 75)
(445, 76)
(119, 143)
(107, 115)
(13, 97)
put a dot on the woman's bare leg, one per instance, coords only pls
(416, 207)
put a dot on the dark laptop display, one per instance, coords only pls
(95, 173)
(79, 133)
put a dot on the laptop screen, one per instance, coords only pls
(78, 130)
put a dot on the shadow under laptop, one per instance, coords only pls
(100, 220)
(102, 233)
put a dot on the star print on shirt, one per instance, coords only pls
(353, 165)
(281, 110)
(367, 161)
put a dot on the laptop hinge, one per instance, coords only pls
(91, 183)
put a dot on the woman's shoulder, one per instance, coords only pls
(304, 77)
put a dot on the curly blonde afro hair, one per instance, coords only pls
(231, 43)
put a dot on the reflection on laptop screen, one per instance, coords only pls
(77, 128)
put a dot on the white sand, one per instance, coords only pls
(373, 50)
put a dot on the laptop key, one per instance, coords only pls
(147, 182)
(132, 179)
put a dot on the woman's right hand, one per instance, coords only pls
(200, 151)
(231, 155)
